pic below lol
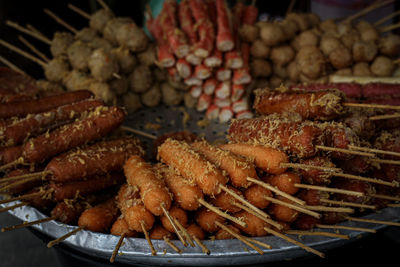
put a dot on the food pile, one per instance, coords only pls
(301, 48)
(198, 43)
(278, 175)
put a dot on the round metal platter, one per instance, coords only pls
(223, 252)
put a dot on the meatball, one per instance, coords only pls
(249, 33)
(364, 51)
(152, 97)
(328, 44)
(56, 69)
(102, 65)
(60, 43)
(119, 86)
(301, 20)
(103, 91)
(361, 69)
(349, 39)
(86, 35)
(311, 62)
(293, 71)
(329, 27)
(260, 68)
(258, 49)
(389, 45)
(77, 80)
(282, 55)
(132, 36)
(99, 42)
(112, 26)
(140, 79)
(149, 56)
(382, 66)
(290, 28)
(272, 34)
(78, 55)
(305, 38)
(341, 57)
(131, 102)
(126, 60)
(170, 96)
(100, 18)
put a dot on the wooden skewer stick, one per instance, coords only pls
(372, 221)
(185, 233)
(350, 204)
(389, 28)
(24, 176)
(221, 213)
(367, 179)
(172, 245)
(26, 224)
(79, 11)
(33, 29)
(393, 205)
(293, 206)
(359, 229)
(261, 217)
(342, 150)
(103, 4)
(11, 65)
(329, 189)
(115, 251)
(23, 197)
(291, 240)
(386, 18)
(317, 233)
(290, 7)
(239, 237)
(373, 150)
(307, 167)
(13, 207)
(62, 238)
(129, 129)
(385, 117)
(146, 235)
(203, 247)
(386, 161)
(277, 191)
(385, 197)
(8, 186)
(12, 164)
(170, 219)
(365, 105)
(60, 21)
(23, 53)
(258, 242)
(325, 208)
(249, 205)
(367, 10)
(33, 48)
(31, 33)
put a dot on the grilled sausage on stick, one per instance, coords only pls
(192, 166)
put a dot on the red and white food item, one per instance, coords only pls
(225, 114)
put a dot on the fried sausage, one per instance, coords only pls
(152, 190)
(192, 166)
(266, 158)
(225, 201)
(159, 232)
(255, 226)
(177, 213)
(99, 218)
(238, 168)
(120, 227)
(99, 123)
(283, 213)
(285, 182)
(206, 220)
(255, 195)
(23, 108)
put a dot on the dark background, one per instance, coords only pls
(21, 248)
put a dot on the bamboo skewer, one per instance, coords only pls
(172, 245)
(325, 208)
(350, 204)
(239, 237)
(328, 189)
(103, 4)
(221, 213)
(115, 251)
(185, 233)
(307, 248)
(372, 221)
(146, 235)
(24, 176)
(389, 28)
(33, 48)
(170, 219)
(79, 11)
(367, 10)
(11, 65)
(386, 161)
(31, 33)
(13, 207)
(307, 167)
(261, 217)
(33, 29)
(317, 233)
(385, 117)
(26, 224)
(373, 150)
(386, 18)
(22, 181)
(367, 179)
(359, 229)
(23, 53)
(203, 247)
(62, 238)
(129, 129)
(60, 21)
(385, 197)
(342, 150)
(23, 197)
(292, 206)
(364, 105)
(12, 164)
(276, 191)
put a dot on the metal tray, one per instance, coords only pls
(223, 252)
